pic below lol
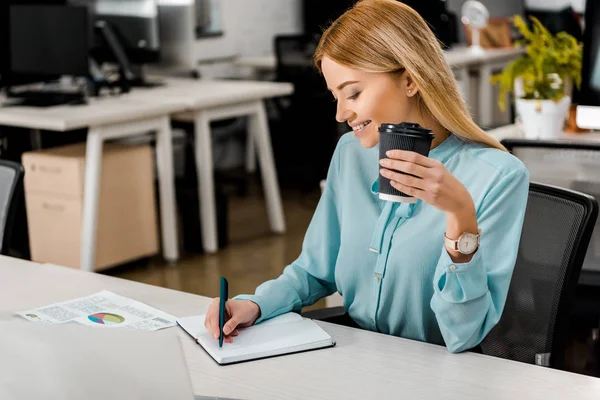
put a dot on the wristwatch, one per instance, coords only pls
(466, 244)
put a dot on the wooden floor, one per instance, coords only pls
(254, 254)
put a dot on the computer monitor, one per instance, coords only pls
(136, 25)
(49, 40)
(7, 77)
(588, 109)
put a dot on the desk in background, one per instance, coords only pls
(206, 101)
(148, 109)
(363, 365)
(110, 118)
(515, 131)
(461, 59)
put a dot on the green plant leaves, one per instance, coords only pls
(546, 57)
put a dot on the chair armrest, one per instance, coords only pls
(325, 314)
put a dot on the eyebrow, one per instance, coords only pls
(344, 84)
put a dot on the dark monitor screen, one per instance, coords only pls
(138, 35)
(49, 40)
(590, 80)
(6, 76)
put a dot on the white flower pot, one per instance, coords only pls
(542, 119)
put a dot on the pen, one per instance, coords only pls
(223, 296)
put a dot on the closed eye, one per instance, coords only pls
(354, 96)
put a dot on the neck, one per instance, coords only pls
(440, 133)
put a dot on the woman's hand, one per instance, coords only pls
(240, 314)
(431, 181)
(435, 185)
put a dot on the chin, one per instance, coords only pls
(369, 141)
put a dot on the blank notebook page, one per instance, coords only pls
(287, 333)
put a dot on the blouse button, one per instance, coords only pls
(452, 268)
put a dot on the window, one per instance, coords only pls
(208, 18)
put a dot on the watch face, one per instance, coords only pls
(468, 243)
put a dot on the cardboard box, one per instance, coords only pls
(127, 221)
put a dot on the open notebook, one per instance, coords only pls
(285, 334)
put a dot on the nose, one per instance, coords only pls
(342, 113)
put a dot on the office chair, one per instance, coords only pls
(305, 135)
(570, 165)
(574, 166)
(556, 232)
(11, 188)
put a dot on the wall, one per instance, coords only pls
(250, 26)
(578, 5)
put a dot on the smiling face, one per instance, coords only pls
(365, 100)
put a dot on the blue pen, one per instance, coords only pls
(223, 296)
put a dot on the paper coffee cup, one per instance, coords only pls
(403, 136)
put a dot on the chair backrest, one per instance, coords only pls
(571, 165)
(556, 232)
(295, 59)
(11, 188)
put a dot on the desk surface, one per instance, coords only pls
(515, 131)
(363, 365)
(98, 111)
(458, 57)
(178, 95)
(198, 94)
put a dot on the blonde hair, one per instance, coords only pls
(388, 36)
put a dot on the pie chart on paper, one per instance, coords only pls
(106, 318)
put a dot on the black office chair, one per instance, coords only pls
(294, 54)
(556, 233)
(11, 188)
(571, 165)
(306, 117)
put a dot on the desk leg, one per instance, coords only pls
(250, 155)
(486, 102)
(93, 169)
(259, 131)
(166, 180)
(206, 186)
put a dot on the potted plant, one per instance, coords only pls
(541, 79)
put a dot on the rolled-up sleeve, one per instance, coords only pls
(469, 298)
(311, 277)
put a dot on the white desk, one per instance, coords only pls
(363, 365)
(461, 59)
(515, 131)
(210, 100)
(110, 118)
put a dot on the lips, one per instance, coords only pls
(361, 126)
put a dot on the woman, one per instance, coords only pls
(396, 265)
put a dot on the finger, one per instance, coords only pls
(230, 325)
(228, 339)
(211, 320)
(234, 333)
(406, 180)
(213, 327)
(405, 166)
(411, 191)
(412, 156)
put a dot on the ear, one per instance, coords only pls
(410, 86)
